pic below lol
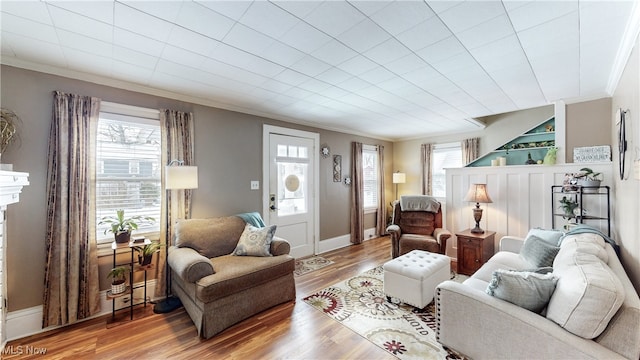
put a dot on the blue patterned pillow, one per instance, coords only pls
(528, 290)
(255, 241)
(538, 252)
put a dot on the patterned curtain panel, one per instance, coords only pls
(177, 134)
(357, 194)
(470, 150)
(71, 289)
(381, 215)
(426, 151)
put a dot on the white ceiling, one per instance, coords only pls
(387, 69)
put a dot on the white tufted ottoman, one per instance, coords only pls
(413, 277)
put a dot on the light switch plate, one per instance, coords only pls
(255, 185)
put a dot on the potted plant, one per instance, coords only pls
(568, 206)
(118, 281)
(145, 253)
(589, 179)
(121, 227)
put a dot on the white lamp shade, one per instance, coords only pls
(399, 178)
(478, 194)
(181, 177)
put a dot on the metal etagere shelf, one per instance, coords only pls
(133, 266)
(580, 194)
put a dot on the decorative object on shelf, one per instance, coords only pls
(337, 168)
(8, 128)
(121, 227)
(347, 180)
(622, 140)
(145, 253)
(177, 177)
(398, 178)
(502, 161)
(118, 281)
(589, 179)
(588, 154)
(529, 161)
(478, 194)
(325, 151)
(548, 128)
(550, 157)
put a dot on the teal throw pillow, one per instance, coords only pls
(529, 290)
(255, 241)
(538, 252)
(550, 236)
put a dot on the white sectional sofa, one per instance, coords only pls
(593, 312)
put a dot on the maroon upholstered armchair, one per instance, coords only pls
(417, 229)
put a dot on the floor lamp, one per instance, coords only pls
(399, 178)
(177, 177)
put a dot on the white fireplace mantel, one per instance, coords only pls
(11, 183)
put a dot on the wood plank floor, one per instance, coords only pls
(292, 330)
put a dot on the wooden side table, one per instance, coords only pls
(474, 250)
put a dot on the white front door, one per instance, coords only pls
(291, 187)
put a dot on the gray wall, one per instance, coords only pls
(228, 152)
(592, 116)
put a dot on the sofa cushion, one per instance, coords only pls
(501, 260)
(255, 241)
(238, 273)
(528, 290)
(210, 237)
(588, 293)
(538, 252)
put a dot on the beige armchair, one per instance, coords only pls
(417, 230)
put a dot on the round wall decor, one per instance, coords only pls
(292, 183)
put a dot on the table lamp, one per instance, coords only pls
(478, 194)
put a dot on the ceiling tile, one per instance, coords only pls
(471, 13)
(333, 76)
(315, 86)
(126, 71)
(334, 53)
(63, 19)
(305, 38)
(439, 6)
(28, 28)
(192, 41)
(424, 34)
(280, 21)
(334, 17)
(166, 10)
(377, 75)
(536, 13)
(29, 49)
(139, 59)
(291, 77)
(406, 64)
(364, 35)
(357, 65)
(231, 9)
(310, 66)
(86, 44)
(137, 42)
(387, 52)
(495, 29)
(282, 54)
(33, 10)
(299, 9)
(402, 15)
(354, 84)
(247, 39)
(96, 10)
(198, 18)
(551, 37)
(499, 54)
(131, 19)
(88, 62)
(181, 56)
(442, 50)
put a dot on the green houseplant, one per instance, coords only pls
(589, 179)
(118, 281)
(568, 205)
(145, 253)
(121, 227)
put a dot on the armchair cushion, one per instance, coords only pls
(209, 237)
(189, 265)
(255, 241)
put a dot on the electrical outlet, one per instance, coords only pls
(255, 185)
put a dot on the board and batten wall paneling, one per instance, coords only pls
(521, 198)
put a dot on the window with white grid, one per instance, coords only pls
(128, 165)
(370, 177)
(444, 156)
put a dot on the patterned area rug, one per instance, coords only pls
(403, 330)
(310, 264)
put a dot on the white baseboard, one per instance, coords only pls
(341, 241)
(27, 322)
